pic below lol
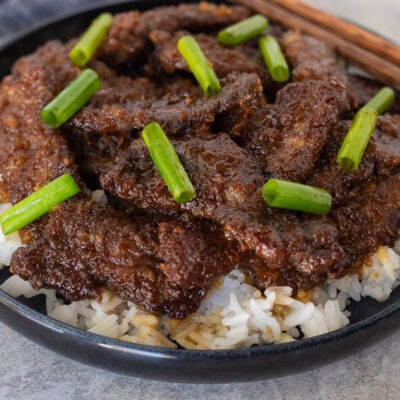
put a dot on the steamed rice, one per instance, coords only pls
(234, 314)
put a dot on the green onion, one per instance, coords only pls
(199, 65)
(295, 196)
(382, 100)
(357, 138)
(168, 164)
(38, 203)
(71, 99)
(243, 30)
(84, 50)
(274, 59)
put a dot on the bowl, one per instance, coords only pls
(371, 321)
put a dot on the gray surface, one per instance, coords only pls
(29, 372)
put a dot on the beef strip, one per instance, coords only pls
(288, 136)
(32, 154)
(312, 59)
(180, 107)
(225, 60)
(128, 38)
(82, 246)
(381, 158)
(363, 89)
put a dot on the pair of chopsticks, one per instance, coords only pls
(370, 52)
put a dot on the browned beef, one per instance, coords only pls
(382, 157)
(363, 89)
(288, 136)
(83, 246)
(128, 39)
(179, 106)
(312, 59)
(225, 60)
(32, 154)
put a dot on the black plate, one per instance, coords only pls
(371, 321)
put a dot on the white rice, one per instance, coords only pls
(234, 314)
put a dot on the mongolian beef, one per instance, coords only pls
(142, 245)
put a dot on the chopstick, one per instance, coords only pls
(370, 52)
(353, 33)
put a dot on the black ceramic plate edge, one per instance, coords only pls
(177, 365)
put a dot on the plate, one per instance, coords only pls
(371, 321)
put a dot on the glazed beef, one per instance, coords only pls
(128, 39)
(179, 106)
(312, 59)
(166, 58)
(32, 154)
(142, 245)
(83, 246)
(288, 136)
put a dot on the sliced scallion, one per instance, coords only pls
(71, 99)
(383, 100)
(295, 196)
(38, 203)
(168, 164)
(357, 138)
(274, 59)
(84, 50)
(199, 65)
(243, 30)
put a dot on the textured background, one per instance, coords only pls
(30, 372)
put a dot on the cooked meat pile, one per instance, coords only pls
(142, 245)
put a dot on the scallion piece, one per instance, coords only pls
(243, 30)
(382, 100)
(295, 196)
(84, 50)
(38, 203)
(199, 65)
(71, 99)
(357, 138)
(168, 164)
(274, 59)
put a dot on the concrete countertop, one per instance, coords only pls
(29, 372)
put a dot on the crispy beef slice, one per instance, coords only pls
(224, 60)
(381, 158)
(363, 89)
(83, 246)
(312, 59)
(128, 39)
(32, 154)
(180, 107)
(288, 136)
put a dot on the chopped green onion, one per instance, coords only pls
(243, 30)
(168, 164)
(295, 196)
(199, 65)
(38, 203)
(274, 59)
(357, 138)
(382, 100)
(71, 99)
(84, 50)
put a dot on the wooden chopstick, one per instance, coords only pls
(359, 36)
(375, 63)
